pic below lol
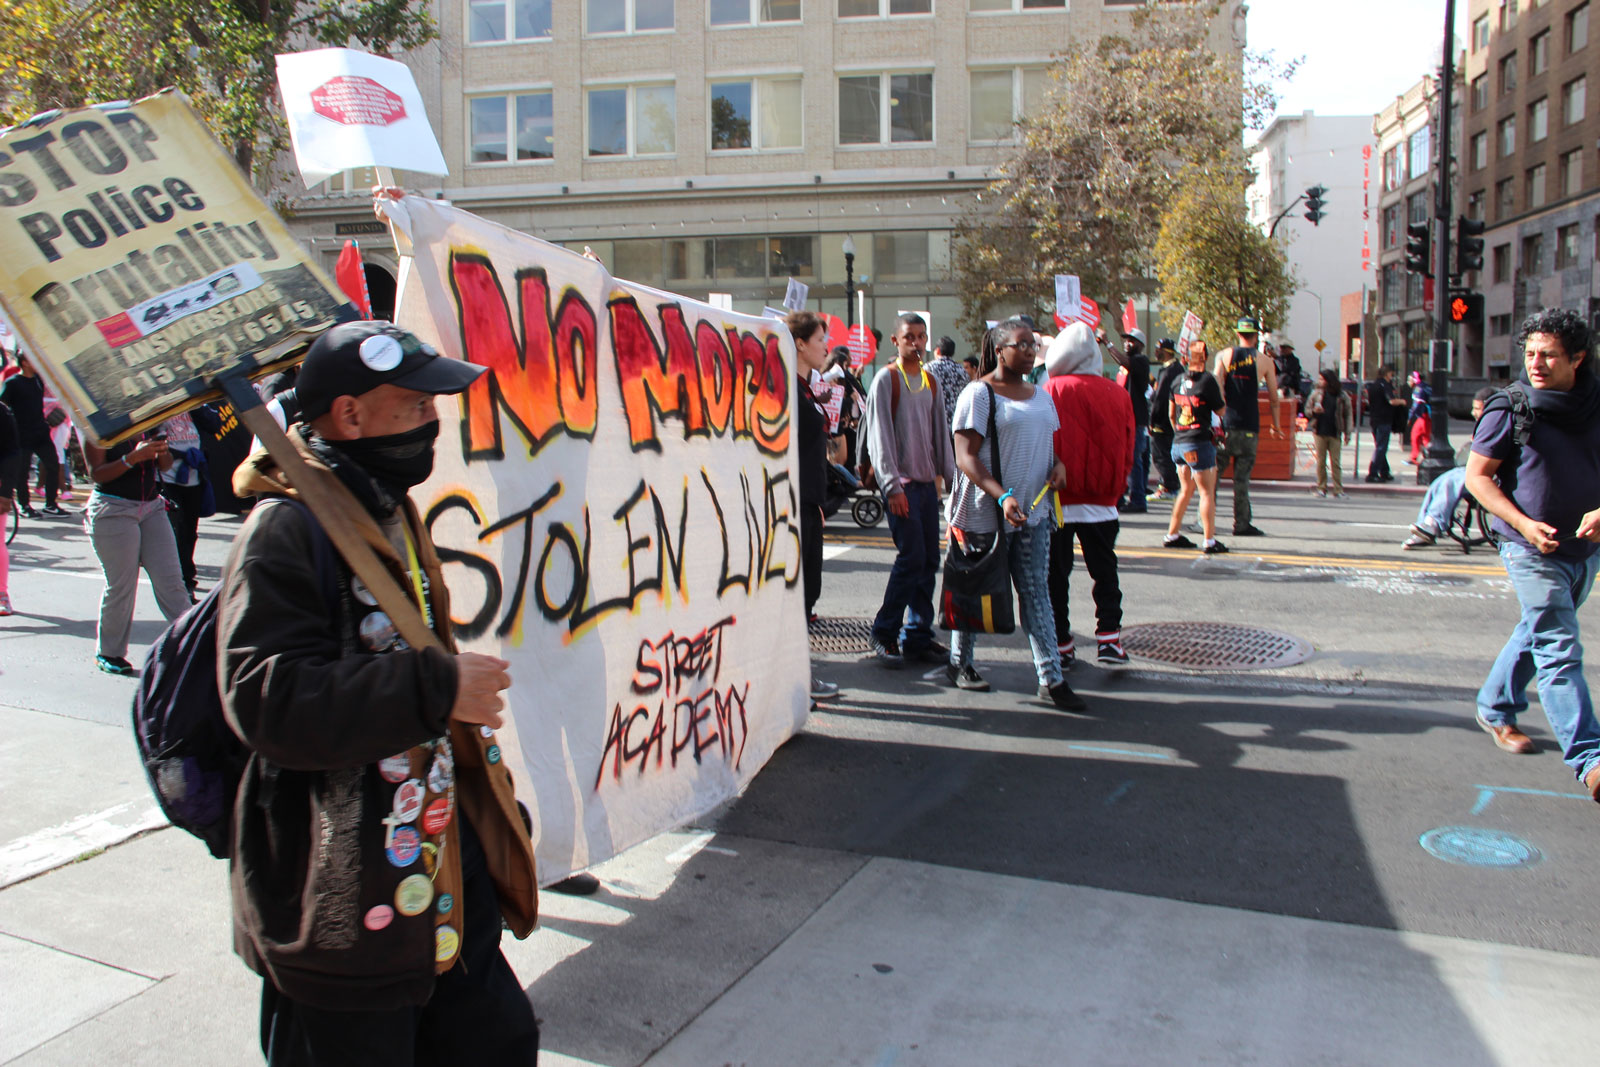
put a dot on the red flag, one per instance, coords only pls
(1088, 313)
(353, 279)
(1091, 313)
(1130, 317)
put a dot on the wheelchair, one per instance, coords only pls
(1469, 526)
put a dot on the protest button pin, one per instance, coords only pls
(441, 774)
(395, 768)
(408, 800)
(413, 895)
(446, 902)
(381, 353)
(407, 845)
(493, 754)
(446, 943)
(486, 731)
(437, 817)
(378, 917)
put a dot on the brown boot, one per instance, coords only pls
(1509, 738)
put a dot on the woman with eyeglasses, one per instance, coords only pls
(1025, 426)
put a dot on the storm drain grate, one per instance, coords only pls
(1215, 646)
(836, 635)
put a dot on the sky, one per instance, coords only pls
(1359, 54)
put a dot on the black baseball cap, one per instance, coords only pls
(356, 357)
(1166, 342)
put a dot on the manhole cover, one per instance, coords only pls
(1476, 847)
(841, 635)
(1214, 646)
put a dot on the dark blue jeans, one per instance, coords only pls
(907, 612)
(1379, 467)
(1138, 475)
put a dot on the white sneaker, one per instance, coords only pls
(5, 604)
(821, 690)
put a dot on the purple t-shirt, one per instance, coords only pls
(1556, 479)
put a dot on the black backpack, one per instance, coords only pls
(192, 757)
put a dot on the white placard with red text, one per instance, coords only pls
(617, 508)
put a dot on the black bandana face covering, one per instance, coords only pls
(397, 461)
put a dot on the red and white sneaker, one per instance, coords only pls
(1111, 653)
(5, 605)
(1069, 653)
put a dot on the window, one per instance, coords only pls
(637, 260)
(1574, 101)
(1391, 226)
(1480, 151)
(1508, 74)
(528, 114)
(1389, 284)
(1413, 290)
(1507, 135)
(1418, 334)
(1572, 172)
(1508, 14)
(879, 8)
(1539, 53)
(486, 20)
(629, 16)
(885, 108)
(793, 256)
(1014, 5)
(1577, 28)
(632, 120)
(1000, 97)
(1539, 120)
(1504, 198)
(750, 12)
(1500, 263)
(1535, 187)
(900, 257)
(1480, 92)
(1532, 253)
(1389, 344)
(1417, 207)
(1499, 325)
(1392, 166)
(1475, 205)
(1567, 247)
(1418, 152)
(761, 113)
(1480, 33)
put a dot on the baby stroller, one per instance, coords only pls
(865, 507)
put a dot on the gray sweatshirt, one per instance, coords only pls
(913, 445)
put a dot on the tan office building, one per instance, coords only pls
(728, 145)
(1529, 164)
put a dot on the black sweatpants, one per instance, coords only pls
(49, 472)
(1161, 459)
(811, 553)
(183, 511)
(1099, 541)
(478, 1015)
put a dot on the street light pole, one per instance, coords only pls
(1441, 457)
(849, 284)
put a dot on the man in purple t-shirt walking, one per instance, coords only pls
(1535, 465)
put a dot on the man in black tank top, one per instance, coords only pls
(1240, 371)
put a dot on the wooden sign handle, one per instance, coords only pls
(330, 502)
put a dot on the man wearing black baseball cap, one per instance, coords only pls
(1237, 369)
(377, 843)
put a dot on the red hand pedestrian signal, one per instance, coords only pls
(1458, 309)
(1466, 306)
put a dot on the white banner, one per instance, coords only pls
(616, 505)
(349, 109)
(1193, 327)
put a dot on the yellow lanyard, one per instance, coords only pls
(921, 370)
(416, 574)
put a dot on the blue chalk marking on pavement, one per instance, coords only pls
(1119, 792)
(1475, 846)
(1120, 751)
(1486, 793)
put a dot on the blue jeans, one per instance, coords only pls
(907, 611)
(1545, 643)
(1138, 477)
(1028, 553)
(1439, 502)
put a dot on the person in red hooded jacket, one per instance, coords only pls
(1095, 445)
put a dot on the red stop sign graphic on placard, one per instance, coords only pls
(356, 101)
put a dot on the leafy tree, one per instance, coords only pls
(1084, 192)
(70, 53)
(1213, 261)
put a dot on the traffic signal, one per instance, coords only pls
(1466, 306)
(1469, 246)
(1418, 259)
(1314, 197)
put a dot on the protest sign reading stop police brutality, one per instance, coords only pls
(139, 263)
(616, 506)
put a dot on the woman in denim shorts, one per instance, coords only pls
(1196, 398)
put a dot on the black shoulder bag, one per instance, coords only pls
(976, 596)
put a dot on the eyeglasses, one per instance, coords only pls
(1026, 346)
